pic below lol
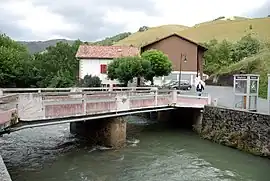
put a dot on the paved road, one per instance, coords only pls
(226, 97)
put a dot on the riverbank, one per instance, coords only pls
(4, 175)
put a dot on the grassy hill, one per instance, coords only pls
(141, 38)
(221, 20)
(231, 29)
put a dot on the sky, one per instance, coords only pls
(91, 20)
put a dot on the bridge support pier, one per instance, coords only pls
(109, 132)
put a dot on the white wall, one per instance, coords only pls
(185, 75)
(92, 67)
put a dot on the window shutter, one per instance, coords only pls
(103, 68)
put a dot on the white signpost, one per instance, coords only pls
(246, 89)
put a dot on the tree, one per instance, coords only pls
(143, 28)
(57, 66)
(160, 64)
(14, 63)
(125, 69)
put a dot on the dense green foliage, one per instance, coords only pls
(222, 54)
(152, 63)
(255, 64)
(246, 56)
(15, 63)
(160, 64)
(125, 69)
(90, 81)
(55, 67)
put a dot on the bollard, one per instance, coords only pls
(215, 102)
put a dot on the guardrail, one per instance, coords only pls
(5, 91)
(47, 105)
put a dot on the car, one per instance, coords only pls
(184, 85)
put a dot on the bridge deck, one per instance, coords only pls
(58, 107)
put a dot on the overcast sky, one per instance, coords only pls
(90, 20)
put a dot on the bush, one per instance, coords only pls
(90, 81)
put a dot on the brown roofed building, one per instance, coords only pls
(177, 48)
(94, 59)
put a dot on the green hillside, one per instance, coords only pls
(229, 29)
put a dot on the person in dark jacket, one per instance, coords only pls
(199, 88)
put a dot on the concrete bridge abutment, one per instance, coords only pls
(109, 132)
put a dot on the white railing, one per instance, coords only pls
(6, 91)
(34, 106)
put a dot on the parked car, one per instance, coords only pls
(184, 85)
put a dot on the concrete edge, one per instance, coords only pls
(4, 175)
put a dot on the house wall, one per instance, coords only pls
(173, 46)
(92, 67)
(200, 61)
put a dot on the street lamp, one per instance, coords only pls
(185, 60)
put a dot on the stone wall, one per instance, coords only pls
(247, 131)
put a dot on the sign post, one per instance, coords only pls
(246, 89)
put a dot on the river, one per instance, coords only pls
(157, 154)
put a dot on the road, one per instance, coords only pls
(226, 97)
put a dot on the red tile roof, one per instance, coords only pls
(95, 51)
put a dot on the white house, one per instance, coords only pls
(94, 60)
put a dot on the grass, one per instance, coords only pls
(257, 64)
(221, 20)
(231, 30)
(140, 38)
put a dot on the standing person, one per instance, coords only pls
(199, 88)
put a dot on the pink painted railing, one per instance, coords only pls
(39, 106)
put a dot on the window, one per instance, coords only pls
(103, 68)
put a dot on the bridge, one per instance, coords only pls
(28, 108)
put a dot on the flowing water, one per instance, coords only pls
(153, 154)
